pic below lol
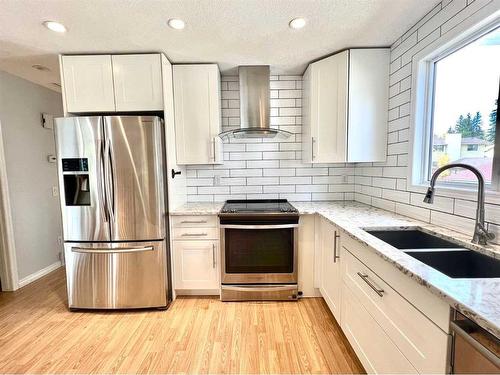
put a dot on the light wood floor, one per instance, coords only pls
(196, 335)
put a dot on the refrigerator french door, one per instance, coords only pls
(113, 208)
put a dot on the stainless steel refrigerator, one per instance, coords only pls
(112, 189)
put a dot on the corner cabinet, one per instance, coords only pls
(197, 114)
(111, 83)
(345, 107)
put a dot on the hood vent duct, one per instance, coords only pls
(254, 105)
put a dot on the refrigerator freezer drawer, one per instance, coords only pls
(116, 276)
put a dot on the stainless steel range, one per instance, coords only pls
(259, 241)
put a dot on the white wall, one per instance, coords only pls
(384, 185)
(269, 168)
(35, 212)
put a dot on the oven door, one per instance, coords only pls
(259, 254)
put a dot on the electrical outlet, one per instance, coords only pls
(59, 240)
(55, 191)
(217, 180)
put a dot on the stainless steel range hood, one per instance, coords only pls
(254, 105)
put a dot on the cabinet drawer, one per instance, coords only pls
(196, 234)
(208, 221)
(374, 348)
(429, 304)
(420, 340)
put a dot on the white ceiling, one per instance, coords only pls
(228, 32)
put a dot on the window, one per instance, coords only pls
(463, 122)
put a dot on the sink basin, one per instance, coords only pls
(459, 263)
(412, 239)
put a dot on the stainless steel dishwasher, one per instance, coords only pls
(475, 351)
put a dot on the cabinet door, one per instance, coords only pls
(197, 113)
(196, 264)
(330, 273)
(375, 350)
(88, 83)
(328, 109)
(138, 81)
(368, 103)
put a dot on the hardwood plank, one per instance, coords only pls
(38, 334)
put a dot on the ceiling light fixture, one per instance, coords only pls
(297, 23)
(176, 23)
(40, 68)
(55, 26)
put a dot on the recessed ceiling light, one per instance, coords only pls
(40, 68)
(297, 23)
(55, 26)
(176, 23)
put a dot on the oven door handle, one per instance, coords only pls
(273, 226)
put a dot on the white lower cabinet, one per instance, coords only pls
(196, 254)
(330, 267)
(415, 336)
(375, 350)
(196, 264)
(393, 324)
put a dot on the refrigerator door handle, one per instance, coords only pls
(98, 250)
(113, 183)
(100, 160)
(108, 181)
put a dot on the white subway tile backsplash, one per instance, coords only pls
(389, 190)
(263, 181)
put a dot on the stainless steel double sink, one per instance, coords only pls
(447, 257)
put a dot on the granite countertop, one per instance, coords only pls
(194, 209)
(479, 299)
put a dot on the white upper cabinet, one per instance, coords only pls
(110, 83)
(368, 104)
(197, 113)
(138, 82)
(345, 107)
(88, 83)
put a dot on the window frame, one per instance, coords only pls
(422, 107)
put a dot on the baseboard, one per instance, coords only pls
(38, 274)
(197, 292)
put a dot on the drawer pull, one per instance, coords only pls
(193, 222)
(194, 234)
(377, 290)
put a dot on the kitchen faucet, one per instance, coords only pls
(481, 234)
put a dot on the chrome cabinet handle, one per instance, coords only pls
(335, 256)
(313, 142)
(102, 250)
(193, 222)
(377, 290)
(213, 255)
(194, 234)
(212, 149)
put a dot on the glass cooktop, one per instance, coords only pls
(258, 206)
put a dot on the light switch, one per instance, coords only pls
(55, 191)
